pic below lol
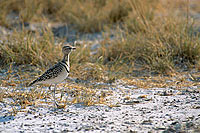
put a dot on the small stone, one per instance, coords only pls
(161, 128)
(147, 122)
(27, 125)
(131, 102)
(189, 124)
(196, 107)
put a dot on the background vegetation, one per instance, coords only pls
(142, 38)
(150, 35)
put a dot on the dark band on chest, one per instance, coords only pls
(64, 67)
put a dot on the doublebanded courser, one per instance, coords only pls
(57, 73)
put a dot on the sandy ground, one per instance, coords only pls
(146, 110)
(137, 110)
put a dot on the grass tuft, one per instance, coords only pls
(158, 43)
(27, 48)
(84, 15)
(146, 33)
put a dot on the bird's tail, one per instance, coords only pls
(33, 82)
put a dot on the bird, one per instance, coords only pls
(57, 73)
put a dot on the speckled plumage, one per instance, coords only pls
(51, 76)
(57, 73)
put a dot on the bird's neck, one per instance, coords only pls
(66, 59)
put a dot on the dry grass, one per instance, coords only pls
(28, 48)
(17, 97)
(150, 36)
(76, 94)
(84, 15)
(178, 80)
(157, 42)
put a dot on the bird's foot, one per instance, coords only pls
(57, 106)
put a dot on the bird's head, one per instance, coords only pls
(67, 49)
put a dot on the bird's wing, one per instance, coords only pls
(50, 73)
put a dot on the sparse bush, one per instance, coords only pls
(28, 48)
(84, 15)
(158, 43)
(147, 33)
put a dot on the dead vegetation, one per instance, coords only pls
(150, 35)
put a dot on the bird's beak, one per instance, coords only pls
(73, 48)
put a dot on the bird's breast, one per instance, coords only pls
(58, 79)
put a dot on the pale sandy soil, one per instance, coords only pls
(146, 110)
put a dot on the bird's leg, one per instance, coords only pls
(45, 95)
(55, 103)
(48, 93)
(62, 94)
(50, 87)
